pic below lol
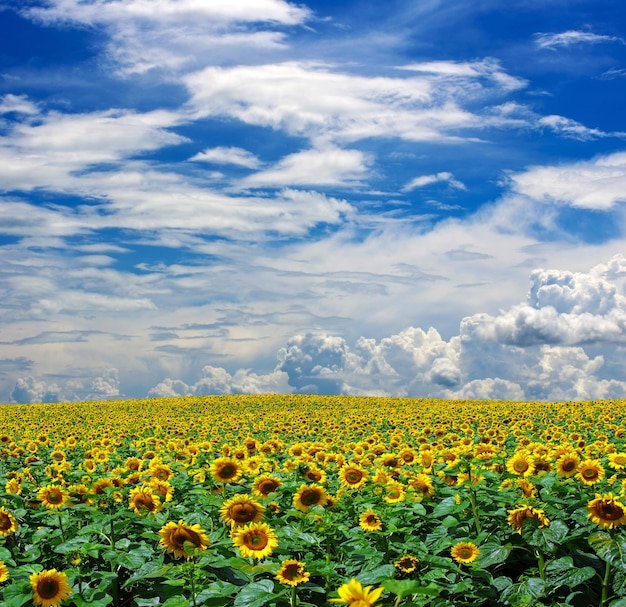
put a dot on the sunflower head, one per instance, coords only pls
(590, 472)
(183, 539)
(465, 552)
(265, 484)
(310, 495)
(352, 476)
(292, 573)
(144, 501)
(225, 470)
(8, 523)
(407, 563)
(53, 496)
(241, 509)
(50, 588)
(353, 593)
(606, 511)
(519, 515)
(370, 521)
(4, 572)
(255, 540)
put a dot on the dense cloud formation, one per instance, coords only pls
(533, 351)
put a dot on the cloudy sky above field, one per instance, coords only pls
(356, 197)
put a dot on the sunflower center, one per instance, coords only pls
(257, 541)
(520, 466)
(242, 513)
(186, 535)
(610, 512)
(589, 473)
(354, 476)
(310, 497)
(227, 471)
(568, 466)
(47, 588)
(292, 571)
(5, 522)
(54, 497)
(267, 487)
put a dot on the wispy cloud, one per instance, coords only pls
(228, 155)
(424, 180)
(552, 41)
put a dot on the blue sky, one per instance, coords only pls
(387, 198)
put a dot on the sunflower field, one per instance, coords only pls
(285, 500)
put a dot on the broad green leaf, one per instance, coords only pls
(606, 547)
(377, 575)
(403, 588)
(255, 594)
(563, 572)
(492, 554)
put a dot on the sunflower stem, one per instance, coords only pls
(606, 584)
(541, 564)
(294, 597)
(61, 527)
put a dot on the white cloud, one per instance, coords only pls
(572, 37)
(319, 102)
(424, 180)
(321, 167)
(176, 34)
(228, 155)
(567, 127)
(595, 184)
(17, 103)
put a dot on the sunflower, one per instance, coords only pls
(225, 470)
(354, 594)
(53, 496)
(617, 461)
(143, 501)
(13, 486)
(606, 511)
(590, 472)
(352, 476)
(567, 464)
(519, 515)
(464, 552)
(310, 495)
(265, 484)
(50, 587)
(160, 471)
(292, 573)
(521, 463)
(407, 563)
(370, 521)
(241, 509)
(164, 489)
(315, 474)
(4, 572)
(180, 537)
(394, 492)
(422, 484)
(255, 540)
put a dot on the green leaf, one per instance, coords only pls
(403, 588)
(17, 593)
(448, 505)
(101, 601)
(563, 572)
(618, 603)
(377, 575)
(255, 594)
(608, 549)
(492, 554)
(177, 601)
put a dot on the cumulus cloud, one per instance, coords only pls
(552, 41)
(538, 350)
(29, 389)
(216, 380)
(20, 104)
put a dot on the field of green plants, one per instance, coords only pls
(285, 500)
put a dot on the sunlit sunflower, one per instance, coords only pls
(241, 509)
(607, 511)
(53, 496)
(13, 486)
(160, 471)
(310, 495)
(225, 470)
(163, 489)
(617, 461)
(518, 515)
(465, 552)
(255, 540)
(370, 521)
(265, 484)
(50, 587)
(352, 476)
(407, 563)
(590, 472)
(134, 464)
(8, 524)
(78, 494)
(394, 492)
(292, 573)
(567, 464)
(181, 538)
(142, 500)
(423, 486)
(354, 594)
(4, 572)
(521, 463)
